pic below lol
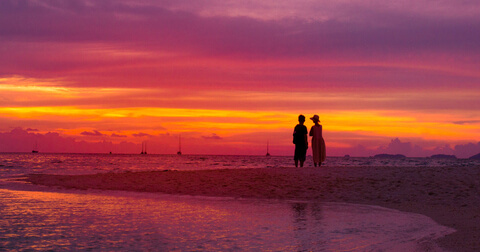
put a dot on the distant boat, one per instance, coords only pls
(144, 149)
(179, 152)
(35, 148)
(268, 153)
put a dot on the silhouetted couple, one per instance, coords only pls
(300, 139)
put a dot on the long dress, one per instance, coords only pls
(318, 144)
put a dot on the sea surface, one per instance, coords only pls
(36, 218)
(19, 164)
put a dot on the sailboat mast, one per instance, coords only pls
(35, 147)
(144, 148)
(268, 153)
(179, 152)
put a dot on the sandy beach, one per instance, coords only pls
(450, 196)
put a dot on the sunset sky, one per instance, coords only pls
(230, 76)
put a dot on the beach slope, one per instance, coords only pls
(450, 196)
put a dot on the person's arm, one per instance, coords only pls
(294, 131)
(306, 137)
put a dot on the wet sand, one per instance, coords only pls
(450, 196)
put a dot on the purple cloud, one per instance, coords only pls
(116, 135)
(19, 140)
(467, 122)
(400, 29)
(212, 137)
(354, 32)
(94, 133)
(141, 134)
(405, 148)
(467, 150)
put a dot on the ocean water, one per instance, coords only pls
(36, 218)
(18, 164)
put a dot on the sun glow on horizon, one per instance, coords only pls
(228, 122)
(103, 121)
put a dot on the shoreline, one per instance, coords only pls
(450, 196)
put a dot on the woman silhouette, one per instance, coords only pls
(318, 143)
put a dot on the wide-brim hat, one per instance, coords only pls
(315, 118)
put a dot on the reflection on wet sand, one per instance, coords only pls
(140, 221)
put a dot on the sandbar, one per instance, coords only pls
(448, 195)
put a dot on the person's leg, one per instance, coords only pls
(304, 156)
(298, 155)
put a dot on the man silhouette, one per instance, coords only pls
(300, 140)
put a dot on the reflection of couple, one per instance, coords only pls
(300, 139)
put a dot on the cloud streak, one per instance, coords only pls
(110, 29)
(94, 133)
